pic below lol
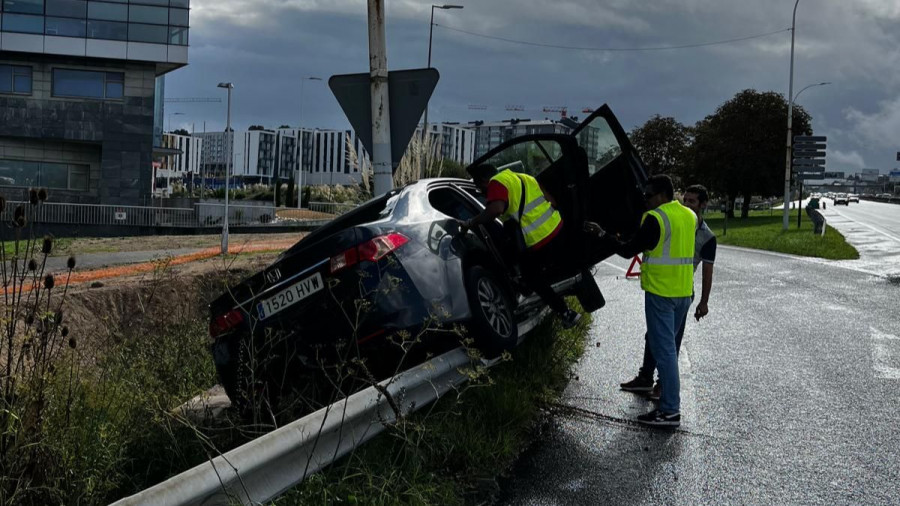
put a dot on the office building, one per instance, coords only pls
(489, 135)
(451, 141)
(77, 94)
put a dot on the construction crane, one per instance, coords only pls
(587, 110)
(191, 100)
(515, 108)
(562, 110)
(478, 107)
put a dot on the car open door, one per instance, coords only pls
(616, 174)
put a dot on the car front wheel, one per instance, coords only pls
(493, 323)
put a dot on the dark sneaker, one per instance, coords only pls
(638, 384)
(655, 392)
(569, 319)
(657, 418)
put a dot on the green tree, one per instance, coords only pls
(256, 127)
(663, 145)
(181, 131)
(739, 149)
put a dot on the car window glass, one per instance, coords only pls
(451, 203)
(599, 143)
(529, 157)
(475, 193)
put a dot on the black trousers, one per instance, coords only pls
(532, 263)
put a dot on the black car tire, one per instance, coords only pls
(493, 323)
(588, 293)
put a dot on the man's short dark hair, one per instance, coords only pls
(661, 183)
(485, 171)
(700, 190)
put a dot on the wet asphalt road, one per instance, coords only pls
(874, 229)
(790, 395)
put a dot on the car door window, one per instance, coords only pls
(448, 201)
(599, 143)
(530, 157)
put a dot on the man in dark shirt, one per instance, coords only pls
(695, 198)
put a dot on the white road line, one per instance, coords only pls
(870, 227)
(614, 266)
(883, 361)
(812, 260)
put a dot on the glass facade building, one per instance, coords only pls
(154, 21)
(81, 103)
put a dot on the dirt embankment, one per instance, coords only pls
(106, 311)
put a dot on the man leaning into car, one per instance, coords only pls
(540, 222)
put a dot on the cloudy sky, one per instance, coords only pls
(267, 47)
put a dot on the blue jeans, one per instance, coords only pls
(649, 365)
(664, 317)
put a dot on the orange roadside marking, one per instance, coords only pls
(139, 268)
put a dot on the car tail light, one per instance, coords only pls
(223, 323)
(372, 251)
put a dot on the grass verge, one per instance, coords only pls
(453, 452)
(763, 230)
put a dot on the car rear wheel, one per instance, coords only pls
(493, 322)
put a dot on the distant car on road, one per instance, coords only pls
(883, 195)
(852, 197)
(842, 198)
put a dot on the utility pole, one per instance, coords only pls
(229, 136)
(381, 111)
(787, 164)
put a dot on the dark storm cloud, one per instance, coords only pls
(266, 46)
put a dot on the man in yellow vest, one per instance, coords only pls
(666, 238)
(511, 194)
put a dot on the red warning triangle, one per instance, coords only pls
(631, 272)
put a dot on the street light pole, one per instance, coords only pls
(787, 162)
(229, 135)
(800, 181)
(170, 119)
(300, 145)
(430, 33)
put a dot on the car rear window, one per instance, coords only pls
(373, 210)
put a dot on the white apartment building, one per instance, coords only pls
(183, 164)
(489, 135)
(326, 158)
(452, 141)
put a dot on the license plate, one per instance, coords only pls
(289, 296)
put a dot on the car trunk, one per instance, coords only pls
(311, 254)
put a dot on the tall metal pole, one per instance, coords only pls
(430, 33)
(229, 136)
(790, 118)
(381, 110)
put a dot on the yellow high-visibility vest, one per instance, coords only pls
(539, 218)
(668, 269)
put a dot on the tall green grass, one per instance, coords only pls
(452, 453)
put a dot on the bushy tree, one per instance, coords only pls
(663, 145)
(740, 149)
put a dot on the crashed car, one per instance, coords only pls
(398, 265)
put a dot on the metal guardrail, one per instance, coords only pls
(331, 207)
(267, 466)
(271, 464)
(201, 215)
